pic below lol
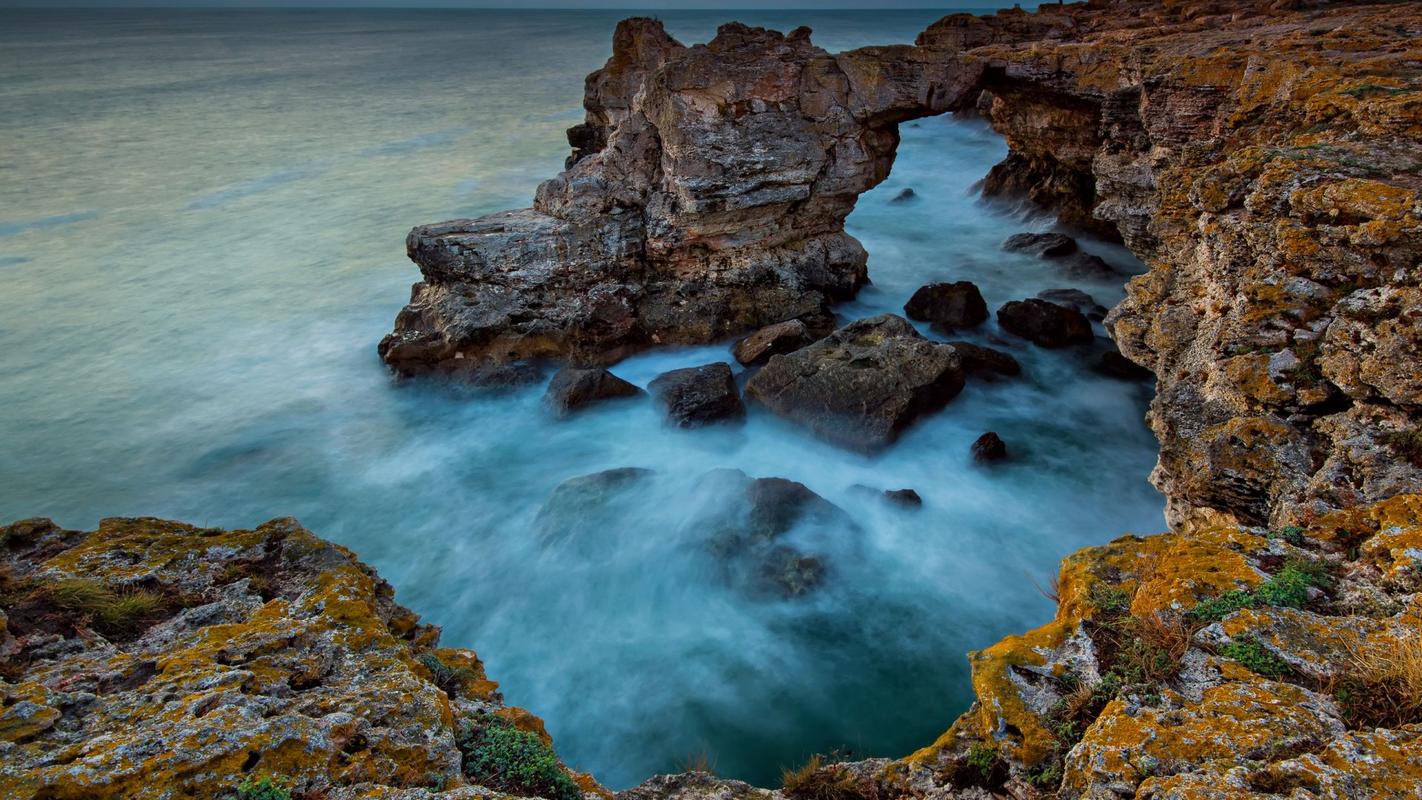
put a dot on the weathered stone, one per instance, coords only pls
(1077, 299)
(1116, 365)
(573, 389)
(861, 386)
(948, 305)
(988, 448)
(1041, 245)
(904, 196)
(772, 340)
(903, 497)
(589, 504)
(1045, 324)
(696, 396)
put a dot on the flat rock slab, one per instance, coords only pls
(573, 389)
(862, 385)
(772, 340)
(697, 396)
(948, 305)
(1045, 324)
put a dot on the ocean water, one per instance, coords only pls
(201, 241)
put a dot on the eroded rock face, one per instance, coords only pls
(862, 385)
(156, 659)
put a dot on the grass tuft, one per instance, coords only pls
(817, 780)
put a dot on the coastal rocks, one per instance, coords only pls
(904, 196)
(573, 389)
(862, 385)
(989, 448)
(1077, 299)
(1045, 324)
(587, 506)
(705, 197)
(986, 362)
(157, 659)
(948, 305)
(697, 396)
(1115, 365)
(772, 340)
(1041, 245)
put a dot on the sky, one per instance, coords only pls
(617, 4)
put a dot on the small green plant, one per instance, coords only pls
(1109, 599)
(1292, 534)
(983, 758)
(1252, 654)
(1287, 588)
(450, 679)
(112, 612)
(1407, 444)
(501, 756)
(1046, 776)
(266, 787)
(1217, 608)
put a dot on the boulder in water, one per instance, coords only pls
(904, 196)
(697, 396)
(1114, 364)
(862, 385)
(1077, 299)
(588, 502)
(989, 447)
(1045, 324)
(1041, 245)
(948, 305)
(573, 389)
(986, 362)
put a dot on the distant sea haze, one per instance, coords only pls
(202, 222)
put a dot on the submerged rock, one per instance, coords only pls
(697, 396)
(1116, 365)
(573, 389)
(903, 497)
(589, 504)
(1045, 324)
(1041, 245)
(861, 386)
(1077, 299)
(986, 362)
(989, 447)
(772, 340)
(904, 196)
(948, 305)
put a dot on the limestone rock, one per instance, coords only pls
(986, 362)
(861, 386)
(697, 396)
(772, 340)
(1045, 324)
(948, 305)
(573, 389)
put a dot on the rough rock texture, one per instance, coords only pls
(152, 659)
(988, 448)
(696, 396)
(1045, 324)
(986, 362)
(948, 305)
(862, 385)
(572, 389)
(772, 340)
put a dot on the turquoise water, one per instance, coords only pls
(201, 241)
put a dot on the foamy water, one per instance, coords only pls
(201, 241)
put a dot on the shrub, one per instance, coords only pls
(264, 788)
(1253, 655)
(1288, 588)
(983, 758)
(500, 756)
(816, 781)
(1292, 534)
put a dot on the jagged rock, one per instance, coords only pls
(904, 196)
(986, 362)
(989, 447)
(1077, 299)
(1045, 324)
(694, 786)
(948, 305)
(772, 340)
(861, 386)
(573, 389)
(696, 396)
(1041, 245)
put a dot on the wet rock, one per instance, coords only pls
(696, 396)
(573, 389)
(948, 305)
(861, 386)
(904, 196)
(1045, 324)
(903, 497)
(772, 340)
(1085, 265)
(1116, 365)
(986, 362)
(988, 448)
(1041, 245)
(1077, 299)
(589, 504)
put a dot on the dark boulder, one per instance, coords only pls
(985, 362)
(1116, 365)
(1045, 324)
(772, 340)
(907, 498)
(1077, 299)
(989, 447)
(904, 196)
(1085, 265)
(1041, 245)
(862, 385)
(573, 388)
(589, 504)
(696, 396)
(948, 305)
